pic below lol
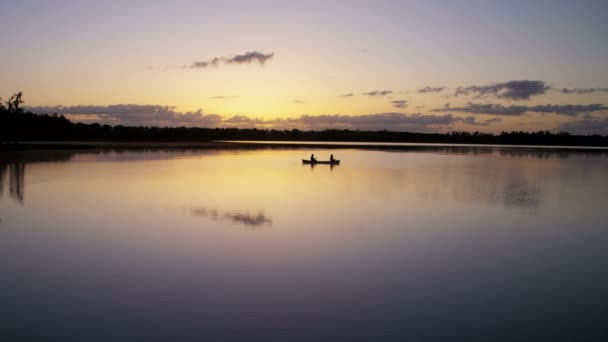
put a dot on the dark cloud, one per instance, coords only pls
(221, 97)
(249, 57)
(246, 58)
(587, 126)
(582, 91)
(431, 89)
(378, 93)
(498, 109)
(471, 120)
(132, 114)
(346, 95)
(399, 103)
(511, 90)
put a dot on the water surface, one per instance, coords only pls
(453, 243)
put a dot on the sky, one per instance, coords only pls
(421, 66)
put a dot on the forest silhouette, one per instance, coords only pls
(20, 125)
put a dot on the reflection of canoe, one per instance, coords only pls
(329, 162)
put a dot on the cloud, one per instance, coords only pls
(203, 65)
(222, 97)
(379, 121)
(296, 101)
(346, 95)
(390, 121)
(511, 90)
(132, 114)
(246, 58)
(249, 57)
(498, 109)
(243, 121)
(399, 103)
(587, 126)
(378, 93)
(471, 120)
(431, 89)
(168, 116)
(582, 91)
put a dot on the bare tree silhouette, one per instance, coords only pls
(14, 103)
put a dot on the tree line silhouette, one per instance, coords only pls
(17, 124)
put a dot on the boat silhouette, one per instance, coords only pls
(329, 162)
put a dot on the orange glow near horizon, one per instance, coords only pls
(314, 53)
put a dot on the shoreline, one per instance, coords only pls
(143, 145)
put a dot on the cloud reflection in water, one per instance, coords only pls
(244, 218)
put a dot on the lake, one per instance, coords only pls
(448, 243)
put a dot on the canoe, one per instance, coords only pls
(329, 162)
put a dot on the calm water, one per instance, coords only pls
(452, 244)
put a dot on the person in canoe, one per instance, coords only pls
(331, 158)
(312, 158)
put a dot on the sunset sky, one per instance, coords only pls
(421, 66)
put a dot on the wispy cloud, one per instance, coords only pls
(431, 89)
(582, 91)
(223, 97)
(511, 90)
(378, 93)
(399, 103)
(296, 101)
(498, 109)
(246, 58)
(205, 64)
(243, 121)
(379, 121)
(587, 126)
(471, 120)
(346, 95)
